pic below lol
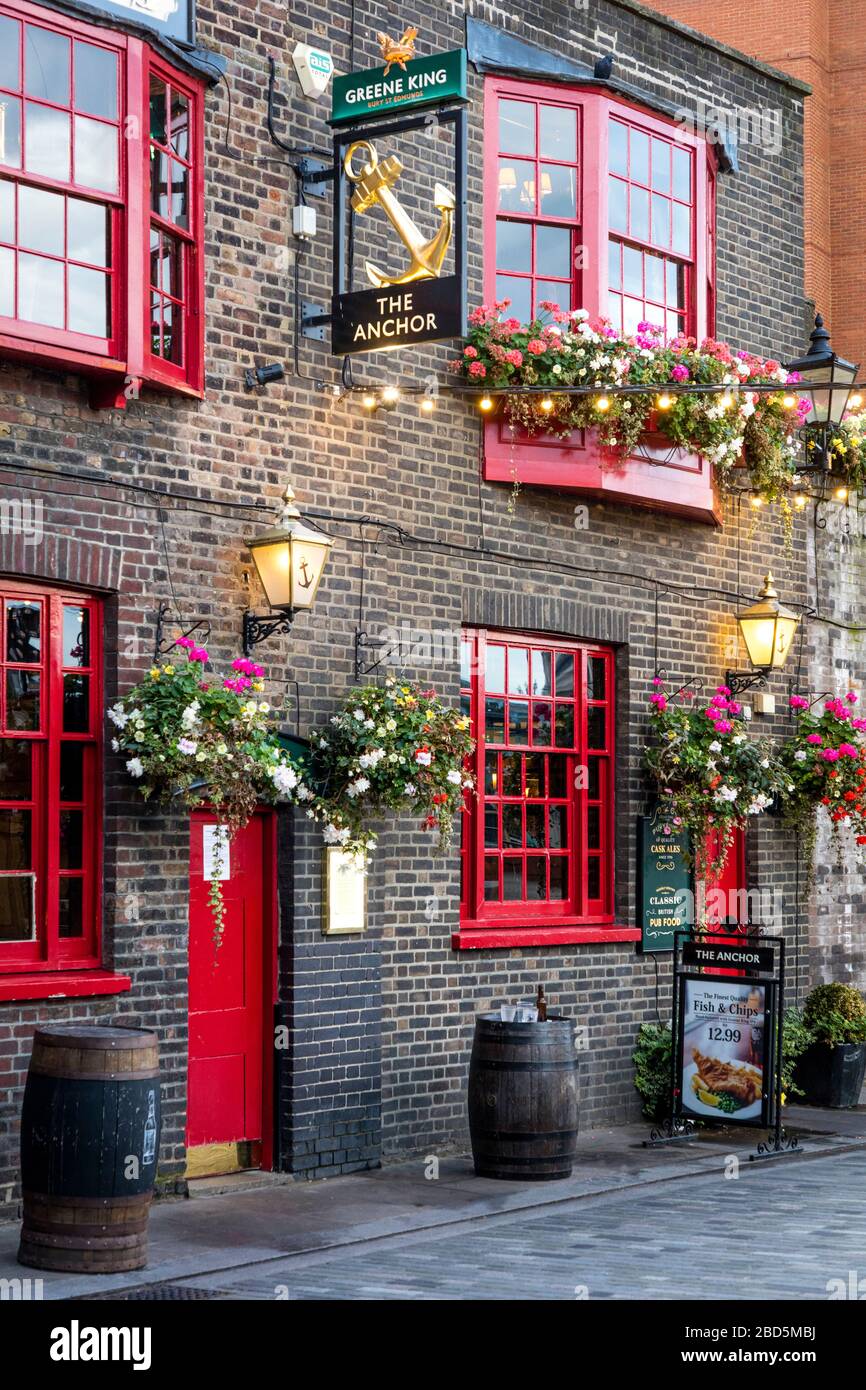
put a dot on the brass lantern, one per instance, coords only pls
(828, 379)
(290, 559)
(768, 629)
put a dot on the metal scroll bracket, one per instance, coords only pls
(161, 644)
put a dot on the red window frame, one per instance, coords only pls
(50, 950)
(562, 798)
(124, 356)
(682, 483)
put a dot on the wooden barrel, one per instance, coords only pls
(89, 1148)
(523, 1099)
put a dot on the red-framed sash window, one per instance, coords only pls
(537, 840)
(50, 778)
(95, 248)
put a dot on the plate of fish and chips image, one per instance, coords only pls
(717, 1088)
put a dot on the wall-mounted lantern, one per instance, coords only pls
(289, 559)
(768, 629)
(828, 381)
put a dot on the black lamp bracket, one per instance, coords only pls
(740, 681)
(259, 628)
(161, 644)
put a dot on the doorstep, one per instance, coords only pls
(275, 1219)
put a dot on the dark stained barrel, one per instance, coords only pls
(523, 1099)
(89, 1148)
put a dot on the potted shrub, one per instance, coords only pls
(830, 1071)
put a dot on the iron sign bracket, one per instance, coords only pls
(161, 645)
(313, 321)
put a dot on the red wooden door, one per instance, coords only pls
(227, 991)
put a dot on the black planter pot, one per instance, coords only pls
(832, 1076)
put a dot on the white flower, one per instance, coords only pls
(189, 718)
(117, 716)
(409, 789)
(115, 746)
(284, 778)
(359, 715)
(391, 725)
(200, 757)
(358, 786)
(724, 793)
(715, 746)
(333, 836)
(423, 758)
(372, 758)
(580, 314)
(455, 777)
(557, 368)
(801, 755)
(186, 745)
(739, 738)
(765, 762)
(304, 794)
(135, 767)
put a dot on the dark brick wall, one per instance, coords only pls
(380, 1026)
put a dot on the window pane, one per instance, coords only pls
(179, 116)
(517, 127)
(40, 220)
(10, 145)
(518, 721)
(632, 315)
(613, 265)
(593, 877)
(535, 837)
(558, 191)
(682, 238)
(536, 878)
(95, 80)
(640, 213)
(675, 282)
(7, 210)
(518, 671)
(15, 839)
(512, 880)
(172, 333)
(535, 774)
(16, 769)
(22, 700)
(593, 827)
(87, 231)
(596, 673)
(491, 782)
(557, 138)
(465, 663)
(491, 827)
(541, 675)
(47, 137)
(494, 675)
(512, 827)
(553, 252)
(661, 220)
(71, 772)
(654, 271)
(519, 295)
(552, 292)
(494, 716)
(76, 636)
(95, 154)
(7, 282)
(71, 839)
(71, 922)
(617, 154)
(617, 206)
(559, 877)
(166, 263)
(158, 101)
(542, 714)
(596, 724)
(564, 673)
(89, 309)
(557, 773)
(516, 186)
(639, 165)
(593, 781)
(682, 174)
(179, 194)
(46, 65)
(491, 879)
(9, 74)
(17, 921)
(76, 715)
(512, 764)
(513, 246)
(661, 156)
(632, 270)
(558, 835)
(565, 726)
(23, 642)
(614, 311)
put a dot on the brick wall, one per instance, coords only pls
(380, 1026)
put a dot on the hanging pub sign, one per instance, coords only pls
(665, 885)
(171, 18)
(416, 288)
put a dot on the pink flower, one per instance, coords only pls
(722, 690)
(735, 707)
(477, 369)
(515, 357)
(830, 755)
(184, 642)
(680, 372)
(536, 347)
(660, 702)
(722, 726)
(797, 702)
(470, 351)
(814, 738)
(657, 680)
(199, 654)
(851, 697)
(847, 750)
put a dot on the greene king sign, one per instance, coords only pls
(434, 79)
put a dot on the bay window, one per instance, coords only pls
(591, 202)
(100, 205)
(537, 850)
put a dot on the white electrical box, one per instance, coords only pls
(314, 67)
(763, 702)
(304, 222)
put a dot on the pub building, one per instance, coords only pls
(166, 367)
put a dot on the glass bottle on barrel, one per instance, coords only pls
(541, 1005)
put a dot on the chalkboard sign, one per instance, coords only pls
(665, 884)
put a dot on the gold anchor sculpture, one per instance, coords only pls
(373, 185)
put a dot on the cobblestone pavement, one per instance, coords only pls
(781, 1230)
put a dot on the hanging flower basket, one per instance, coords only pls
(824, 760)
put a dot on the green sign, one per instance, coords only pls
(665, 885)
(426, 81)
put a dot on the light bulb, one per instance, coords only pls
(789, 401)
(756, 501)
(391, 395)
(485, 403)
(800, 501)
(427, 403)
(603, 403)
(547, 404)
(727, 401)
(664, 401)
(841, 494)
(855, 401)
(369, 401)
